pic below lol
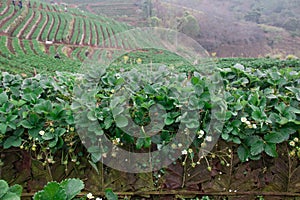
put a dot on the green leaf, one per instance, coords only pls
(48, 136)
(236, 140)
(277, 137)
(168, 121)
(147, 142)
(3, 187)
(44, 106)
(92, 115)
(3, 98)
(281, 107)
(117, 110)
(3, 128)
(17, 189)
(110, 195)
(51, 191)
(225, 136)
(72, 187)
(11, 196)
(257, 148)
(121, 121)
(139, 143)
(26, 124)
(270, 149)
(258, 115)
(243, 153)
(12, 141)
(294, 110)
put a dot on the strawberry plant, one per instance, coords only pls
(65, 190)
(12, 192)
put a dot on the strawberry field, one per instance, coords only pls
(70, 128)
(257, 152)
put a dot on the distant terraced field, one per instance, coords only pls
(129, 11)
(31, 36)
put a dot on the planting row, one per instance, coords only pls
(27, 56)
(30, 56)
(254, 110)
(259, 109)
(66, 27)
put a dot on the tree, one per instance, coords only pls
(188, 25)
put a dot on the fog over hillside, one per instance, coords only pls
(248, 28)
(227, 27)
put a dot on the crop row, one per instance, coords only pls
(55, 26)
(30, 54)
(259, 110)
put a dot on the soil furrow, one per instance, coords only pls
(9, 45)
(58, 27)
(29, 35)
(43, 28)
(32, 48)
(72, 30)
(91, 35)
(7, 18)
(103, 38)
(83, 34)
(97, 35)
(109, 37)
(22, 46)
(26, 25)
(51, 26)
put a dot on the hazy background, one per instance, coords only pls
(225, 27)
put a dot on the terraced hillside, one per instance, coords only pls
(37, 32)
(133, 12)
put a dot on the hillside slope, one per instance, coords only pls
(241, 28)
(32, 36)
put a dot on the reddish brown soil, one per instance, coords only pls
(84, 33)
(29, 36)
(51, 26)
(103, 42)
(91, 34)
(31, 46)
(9, 46)
(72, 30)
(7, 18)
(43, 28)
(58, 27)
(109, 37)
(27, 23)
(22, 46)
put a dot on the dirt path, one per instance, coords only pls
(83, 36)
(7, 18)
(51, 26)
(10, 46)
(58, 28)
(43, 28)
(91, 34)
(109, 37)
(103, 38)
(22, 46)
(117, 41)
(32, 48)
(97, 35)
(26, 25)
(73, 23)
(5, 10)
(33, 28)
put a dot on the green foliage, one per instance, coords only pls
(110, 195)
(66, 190)
(188, 25)
(10, 193)
(263, 109)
